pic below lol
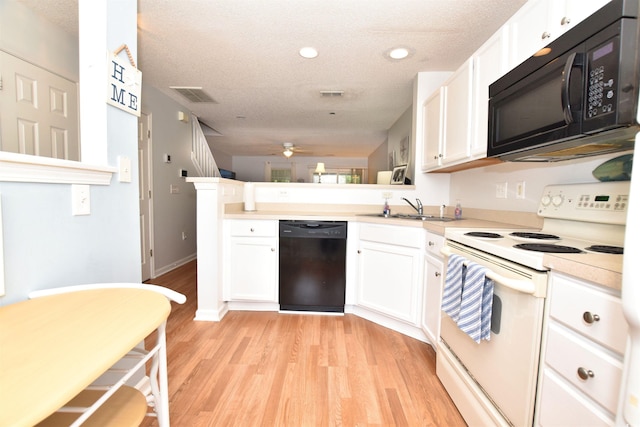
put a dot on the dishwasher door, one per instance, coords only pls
(312, 266)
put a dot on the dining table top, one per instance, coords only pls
(53, 347)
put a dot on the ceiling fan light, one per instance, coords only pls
(287, 152)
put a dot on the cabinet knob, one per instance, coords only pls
(589, 317)
(585, 374)
(273, 249)
(252, 230)
(359, 251)
(435, 157)
(437, 274)
(546, 35)
(431, 243)
(565, 20)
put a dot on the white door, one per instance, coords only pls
(144, 168)
(39, 111)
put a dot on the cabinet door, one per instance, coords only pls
(529, 30)
(389, 280)
(458, 115)
(433, 129)
(564, 15)
(490, 63)
(433, 279)
(253, 274)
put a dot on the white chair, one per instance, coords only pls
(111, 386)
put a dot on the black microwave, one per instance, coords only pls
(577, 97)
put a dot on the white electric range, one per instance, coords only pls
(493, 382)
(578, 218)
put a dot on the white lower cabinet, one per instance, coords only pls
(582, 359)
(251, 261)
(390, 270)
(433, 282)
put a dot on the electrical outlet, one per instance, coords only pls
(520, 190)
(501, 190)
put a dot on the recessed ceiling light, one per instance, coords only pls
(308, 52)
(399, 53)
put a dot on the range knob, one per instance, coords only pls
(557, 200)
(545, 200)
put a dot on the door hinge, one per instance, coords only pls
(150, 252)
(0, 82)
(149, 133)
(149, 193)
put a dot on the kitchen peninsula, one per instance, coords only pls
(221, 200)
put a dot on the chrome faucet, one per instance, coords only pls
(418, 208)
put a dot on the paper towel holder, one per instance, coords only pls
(249, 197)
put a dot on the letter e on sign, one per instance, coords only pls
(124, 84)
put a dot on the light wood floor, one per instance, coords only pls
(270, 369)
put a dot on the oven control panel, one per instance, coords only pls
(602, 202)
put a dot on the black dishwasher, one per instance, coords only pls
(312, 265)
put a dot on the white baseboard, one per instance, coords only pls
(173, 266)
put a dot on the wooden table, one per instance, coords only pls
(53, 347)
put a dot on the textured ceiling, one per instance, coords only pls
(244, 54)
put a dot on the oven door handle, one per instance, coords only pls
(524, 286)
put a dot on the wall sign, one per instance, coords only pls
(124, 82)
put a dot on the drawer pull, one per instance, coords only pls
(273, 249)
(252, 230)
(585, 374)
(437, 274)
(431, 243)
(589, 317)
(545, 35)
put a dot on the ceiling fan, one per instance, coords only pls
(289, 149)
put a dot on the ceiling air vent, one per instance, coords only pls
(194, 94)
(331, 93)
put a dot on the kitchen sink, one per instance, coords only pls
(412, 216)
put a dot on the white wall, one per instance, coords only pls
(172, 213)
(378, 161)
(400, 130)
(476, 187)
(44, 245)
(251, 168)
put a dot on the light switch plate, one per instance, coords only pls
(124, 169)
(80, 199)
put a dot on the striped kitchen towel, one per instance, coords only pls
(476, 303)
(454, 279)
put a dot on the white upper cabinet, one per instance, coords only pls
(539, 22)
(529, 29)
(458, 115)
(433, 130)
(448, 121)
(490, 62)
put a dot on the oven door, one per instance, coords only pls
(505, 367)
